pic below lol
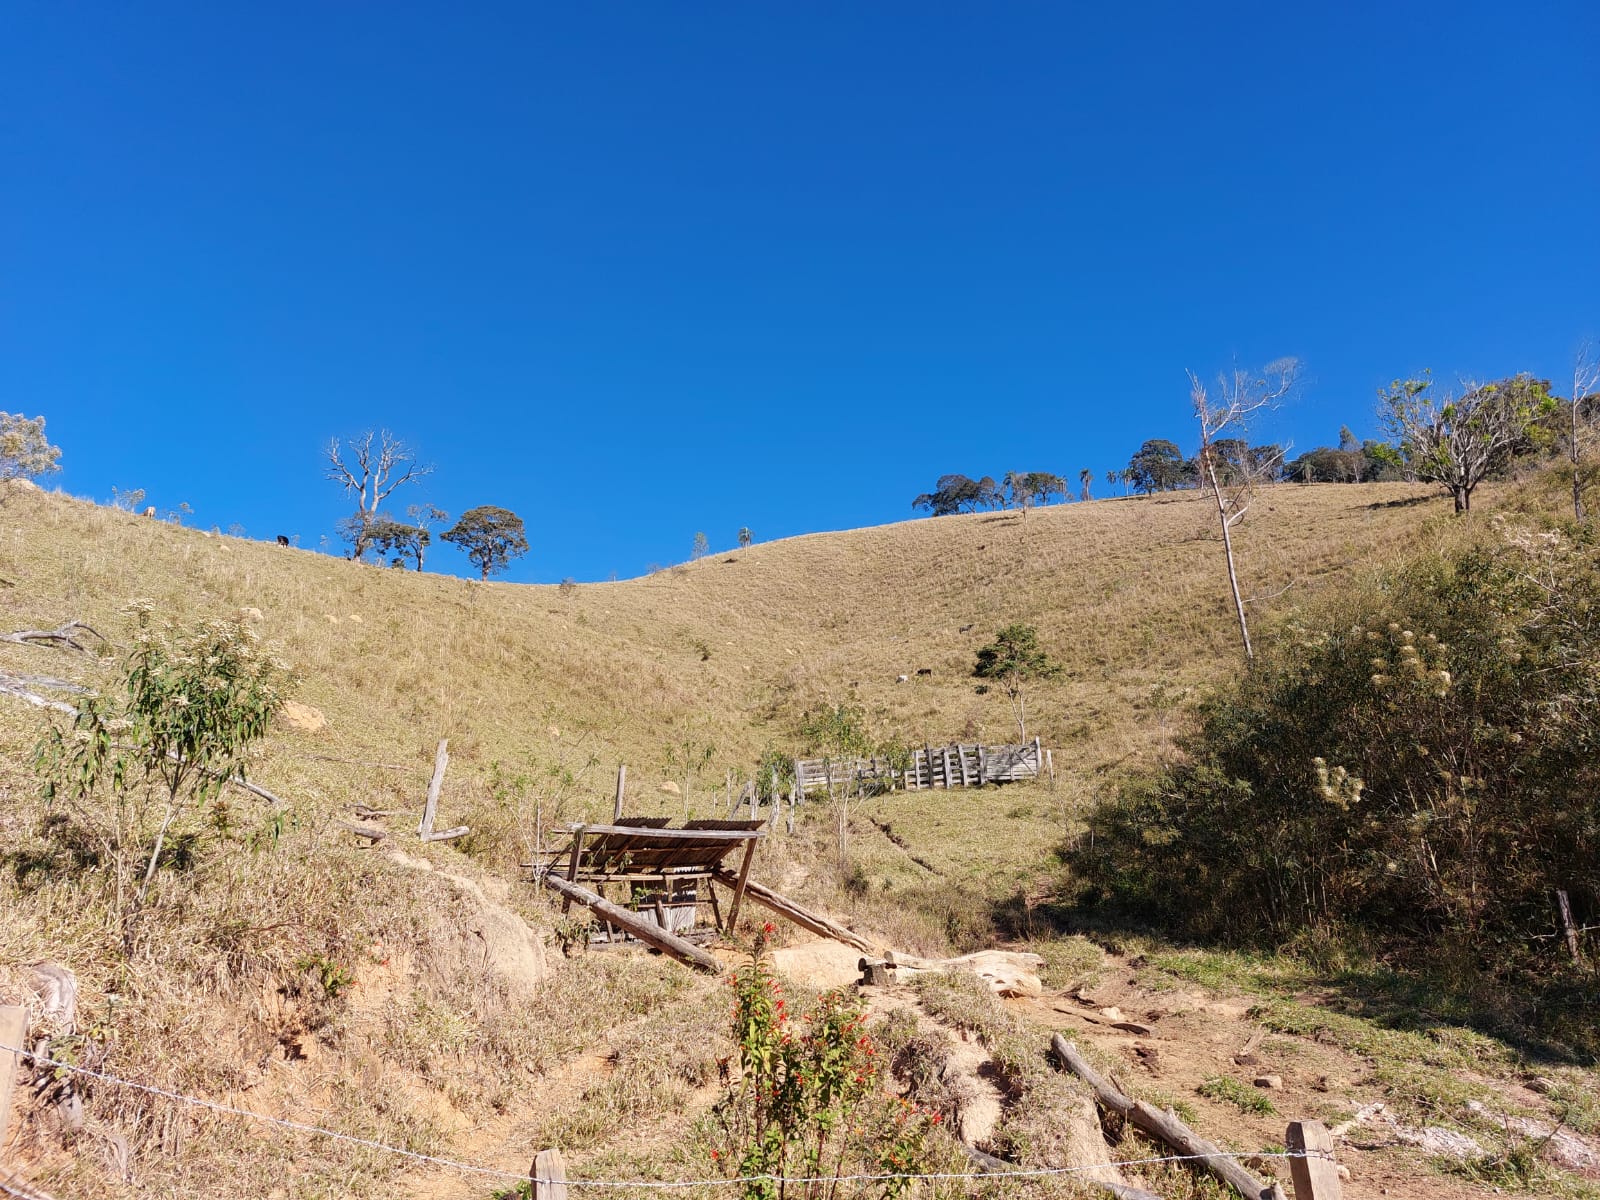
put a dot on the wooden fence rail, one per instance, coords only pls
(929, 767)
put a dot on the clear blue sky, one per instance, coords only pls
(636, 270)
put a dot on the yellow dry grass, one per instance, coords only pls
(527, 682)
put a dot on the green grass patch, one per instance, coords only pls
(1241, 1096)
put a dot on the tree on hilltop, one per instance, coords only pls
(370, 467)
(957, 493)
(491, 537)
(400, 542)
(1157, 466)
(1457, 442)
(24, 450)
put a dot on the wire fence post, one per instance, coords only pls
(1315, 1174)
(549, 1176)
(13, 1029)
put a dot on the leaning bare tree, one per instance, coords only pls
(370, 467)
(1585, 386)
(1239, 397)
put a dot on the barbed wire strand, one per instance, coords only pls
(643, 1184)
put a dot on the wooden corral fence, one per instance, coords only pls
(930, 767)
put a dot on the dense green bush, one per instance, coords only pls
(1415, 762)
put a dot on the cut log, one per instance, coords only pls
(790, 911)
(1165, 1127)
(646, 931)
(64, 637)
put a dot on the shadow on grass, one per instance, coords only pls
(1410, 989)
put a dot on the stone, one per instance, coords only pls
(303, 717)
(1271, 1082)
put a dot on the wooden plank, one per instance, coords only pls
(13, 1032)
(738, 889)
(983, 766)
(1165, 1127)
(572, 865)
(646, 931)
(803, 917)
(441, 760)
(622, 779)
(944, 763)
(1316, 1175)
(708, 835)
(549, 1176)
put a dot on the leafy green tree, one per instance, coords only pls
(398, 542)
(1085, 480)
(1457, 442)
(745, 537)
(1157, 466)
(24, 450)
(957, 493)
(1013, 660)
(176, 724)
(490, 537)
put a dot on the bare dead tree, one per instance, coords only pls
(1585, 385)
(371, 467)
(1240, 395)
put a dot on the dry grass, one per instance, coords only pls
(542, 692)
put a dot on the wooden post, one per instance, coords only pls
(944, 765)
(1038, 759)
(441, 760)
(1567, 925)
(572, 866)
(1316, 1175)
(983, 765)
(616, 809)
(13, 1030)
(738, 888)
(1050, 761)
(549, 1176)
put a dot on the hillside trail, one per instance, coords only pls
(1191, 1034)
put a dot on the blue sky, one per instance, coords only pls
(635, 270)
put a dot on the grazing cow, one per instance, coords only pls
(964, 629)
(924, 670)
(283, 540)
(151, 511)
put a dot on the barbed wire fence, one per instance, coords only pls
(8, 1183)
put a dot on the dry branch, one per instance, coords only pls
(64, 637)
(789, 910)
(1165, 1127)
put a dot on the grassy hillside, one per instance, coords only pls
(289, 970)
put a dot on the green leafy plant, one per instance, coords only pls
(333, 976)
(175, 725)
(809, 1104)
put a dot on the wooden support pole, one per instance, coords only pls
(441, 760)
(983, 765)
(739, 888)
(790, 911)
(1165, 1127)
(13, 1030)
(1316, 1175)
(647, 932)
(616, 809)
(1564, 905)
(572, 866)
(549, 1176)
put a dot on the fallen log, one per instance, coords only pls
(1007, 972)
(64, 637)
(646, 931)
(1165, 1127)
(790, 911)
